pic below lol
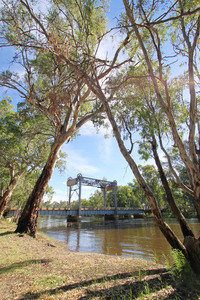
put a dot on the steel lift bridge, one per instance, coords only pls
(74, 214)
(76, 184)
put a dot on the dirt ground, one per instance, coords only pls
(43, 268)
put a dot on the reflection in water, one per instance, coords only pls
(139, 238)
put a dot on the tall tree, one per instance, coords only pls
(43, 41)
(23, 148)
(188, 29)
(149, 33)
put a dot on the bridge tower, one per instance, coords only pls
(75, 185)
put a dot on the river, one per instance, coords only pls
(138, 238)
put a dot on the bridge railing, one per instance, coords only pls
(86, 210)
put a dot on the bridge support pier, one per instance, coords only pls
(73, 218)
(111, 217)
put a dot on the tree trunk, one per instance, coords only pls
(197, 198)
(17, 214)
(8, 193)
(28, 220)
(164, 227)
(186, 230)
(193, 249)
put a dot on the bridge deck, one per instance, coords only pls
(86, 211)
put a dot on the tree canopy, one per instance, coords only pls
(25, 142)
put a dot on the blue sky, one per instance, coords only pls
(90, 153)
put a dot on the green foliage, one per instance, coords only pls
(125, 197)
(24, 134)
(23, 189)
(151, 175)
(44, 42)
(65, 29)
(96, 199)
(25, 141)
(181, 268)
(61, 162)
(84, 203)
(152, 98)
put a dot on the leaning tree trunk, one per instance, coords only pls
(8, 193)
(186, 230)
(191, 246)
(164, 227)
(28, 220)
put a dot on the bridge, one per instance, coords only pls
(91, 211)
(73, 214)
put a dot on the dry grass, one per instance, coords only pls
(42, 268)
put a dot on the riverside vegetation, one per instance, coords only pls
(42, 268)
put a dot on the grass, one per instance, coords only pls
(43, 268)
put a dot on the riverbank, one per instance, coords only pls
(43, 268)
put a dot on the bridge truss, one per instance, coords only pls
(75, 185)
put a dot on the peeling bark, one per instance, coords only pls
(8, 193)
(28, 220)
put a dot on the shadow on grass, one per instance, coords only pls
(143, 290)
(129, 290)
(22, 264)
(7, 233)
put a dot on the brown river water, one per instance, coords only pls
(137, 238)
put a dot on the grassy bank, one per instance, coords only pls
(43, 268)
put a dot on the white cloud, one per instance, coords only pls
(63, 195)
(105, 149)
(110, 44)
(80, 164)
(59, 195)
(88, 188)
(105, 143)
(88, 129)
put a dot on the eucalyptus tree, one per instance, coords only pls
(149, 26)
(97, 198)
(23, 148)
(43, 41)
(141, 119)
(150, 30)
(24, 188)
(184, 18)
